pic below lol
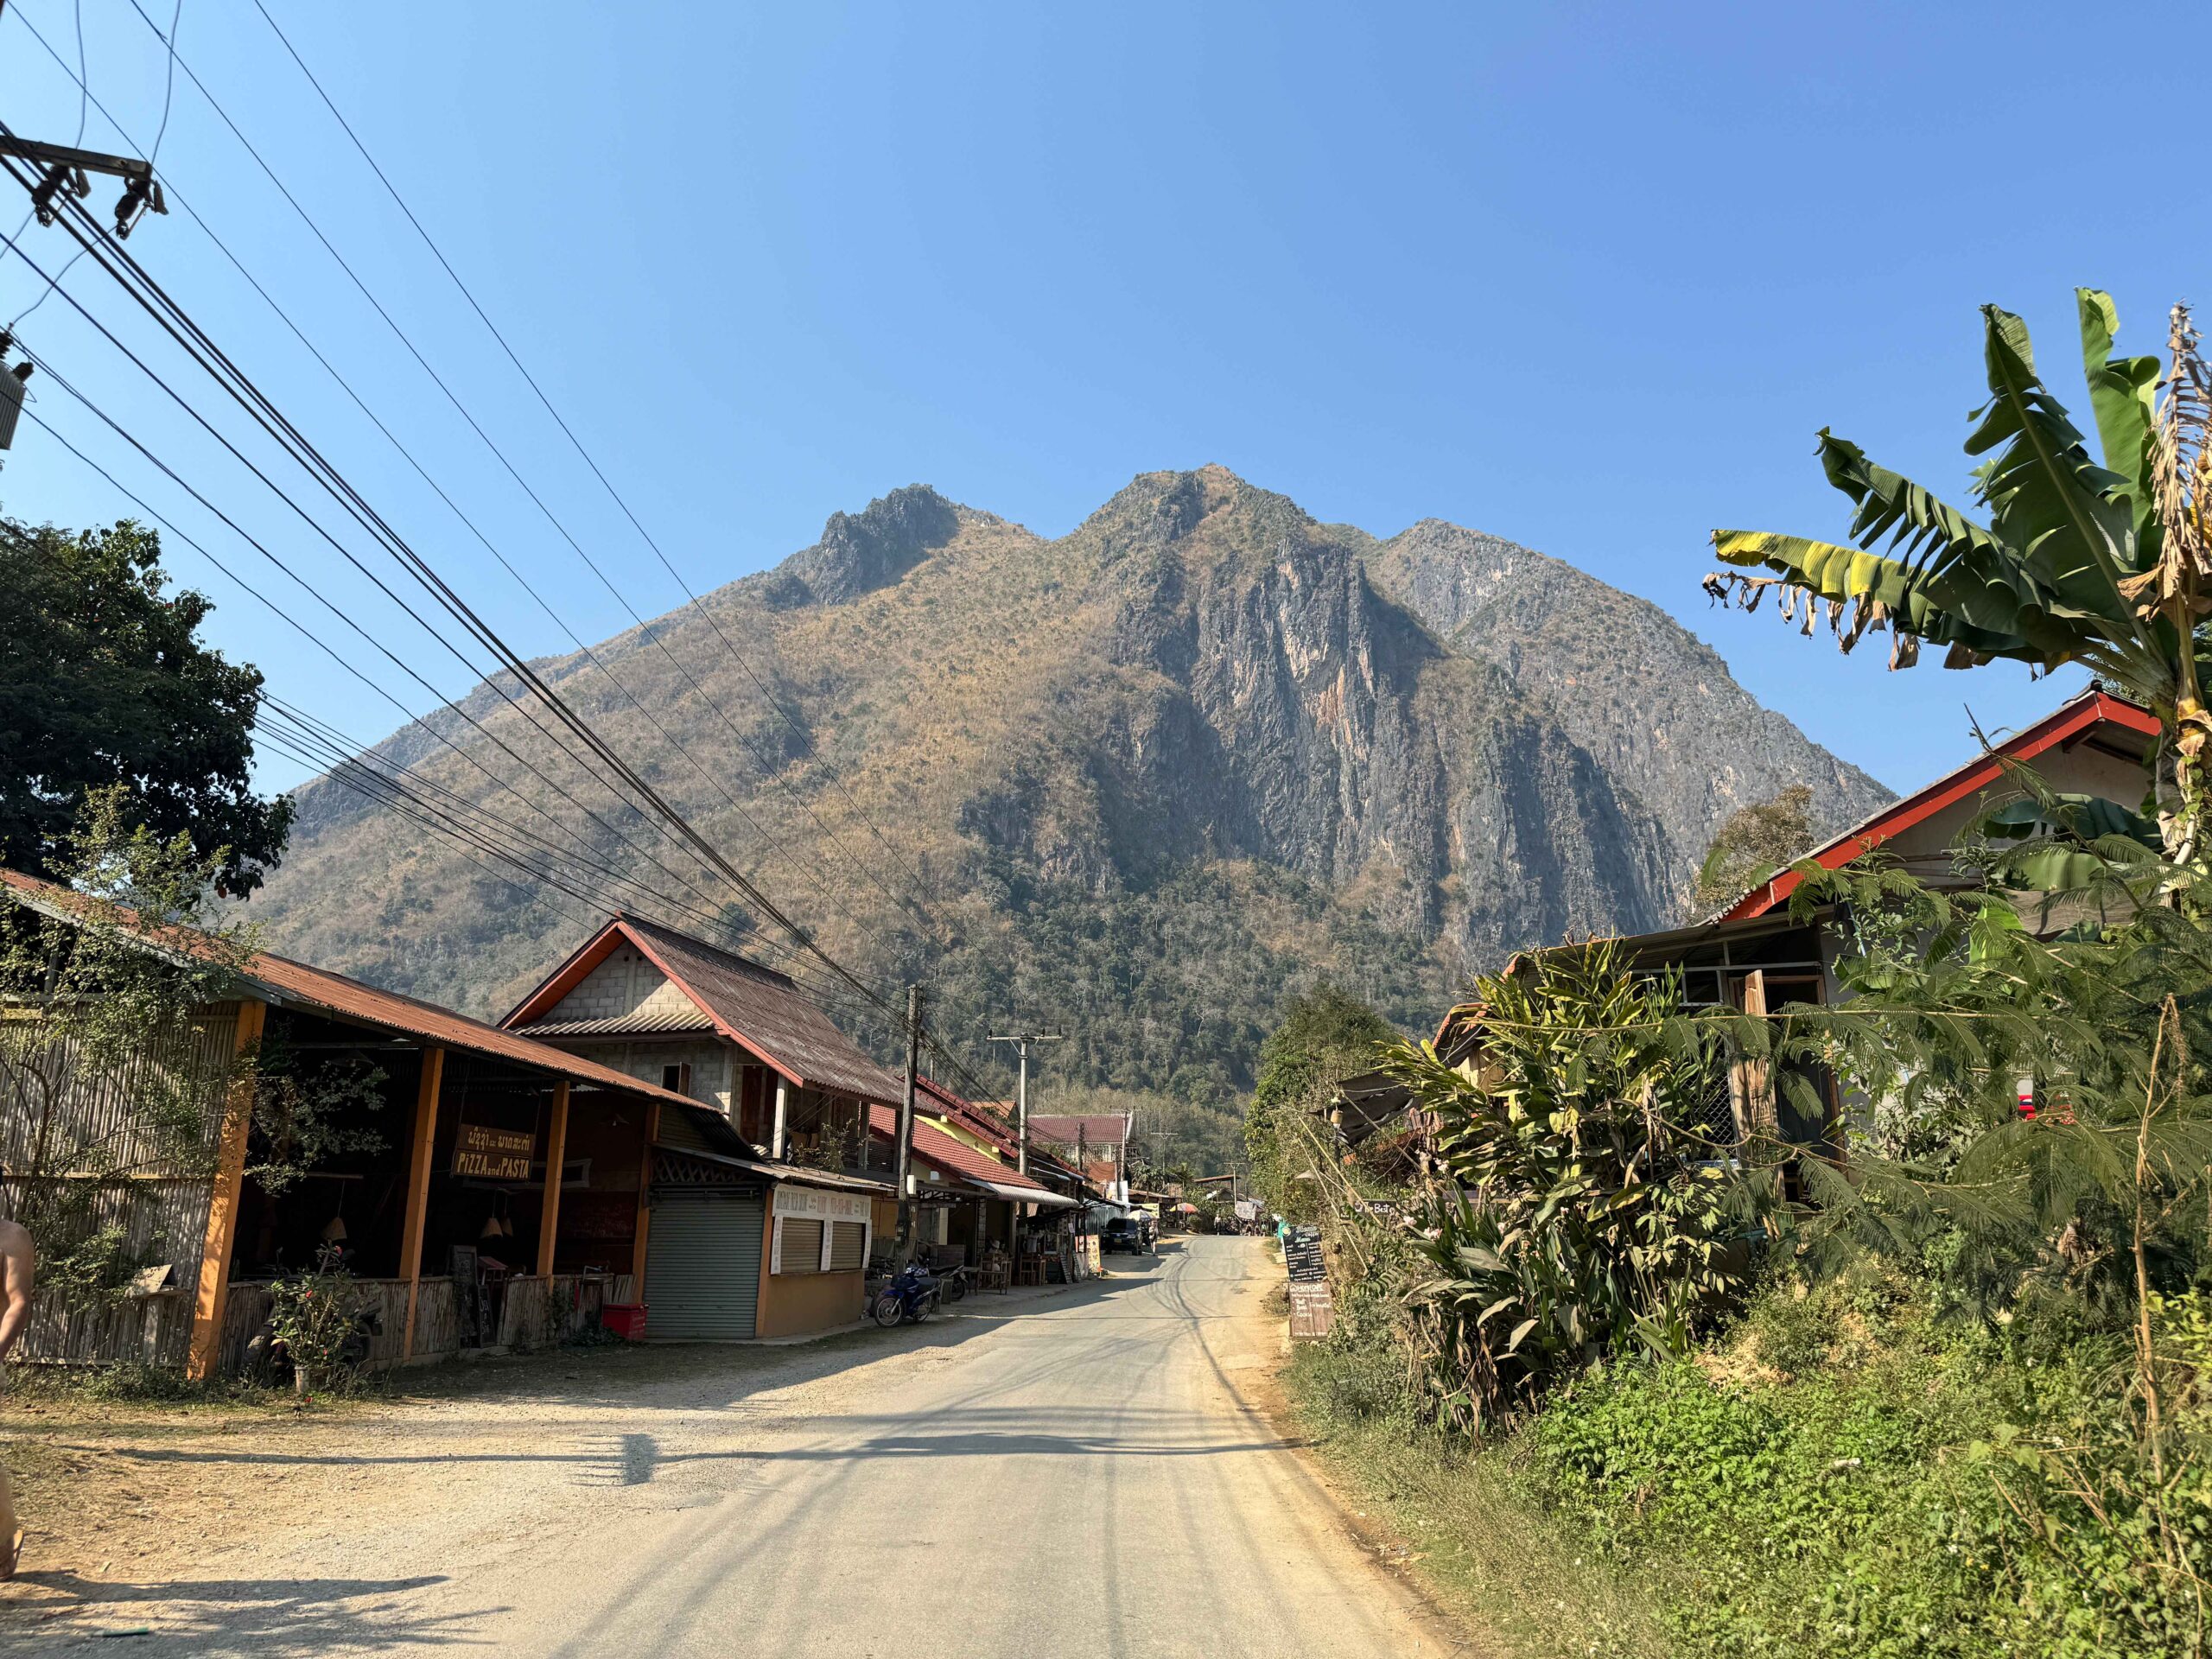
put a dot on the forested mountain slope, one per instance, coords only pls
(1140, 781)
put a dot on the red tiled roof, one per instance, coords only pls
(2071, 722)
(934, 1146)
(989, 1120)
(293, 984)
(755, 1006)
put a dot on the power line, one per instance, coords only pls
(202, 349)
(765, 763)
(704, 771)
(464, 754)
(454, 708)
(233, 380)
(691, 598)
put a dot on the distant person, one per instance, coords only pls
(17, 1260)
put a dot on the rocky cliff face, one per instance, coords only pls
(1653, 704)
(1143, 779)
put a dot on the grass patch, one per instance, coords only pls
(1485, 1552)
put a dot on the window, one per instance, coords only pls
(676, 1077)
(799, 1245)
(847, 1246)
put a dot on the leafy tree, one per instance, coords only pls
(2107, 565)
(104, 680)
(1585, 1213)
(1754, 841)
(1326, 1034)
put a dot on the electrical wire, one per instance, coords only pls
(120, 264)
(769, 769)
(691, 598)
(705, 772)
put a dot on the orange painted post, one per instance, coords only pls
(644, 1203)
(223, 1202)
(556, 1142)
(418, 1185)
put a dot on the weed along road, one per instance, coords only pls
(1077, 1474)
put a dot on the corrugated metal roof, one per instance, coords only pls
(789, 1174)
(750, 1004)
(293, 984)
(621, 1025)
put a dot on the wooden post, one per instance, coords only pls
(776, 1143)
(223, 1202)
(557, 1144)
(418, 1185)
(644, 1202)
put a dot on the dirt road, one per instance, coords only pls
(1080, 1475)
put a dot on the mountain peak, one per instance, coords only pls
(862, 551)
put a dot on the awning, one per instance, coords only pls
(1023, 1194)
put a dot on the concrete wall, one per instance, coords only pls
(625, 984)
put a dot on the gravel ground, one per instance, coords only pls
(1085, 1473)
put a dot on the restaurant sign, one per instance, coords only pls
(489, 1154)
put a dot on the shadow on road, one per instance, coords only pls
(231, 1616)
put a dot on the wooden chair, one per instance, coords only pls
(1032, 1271)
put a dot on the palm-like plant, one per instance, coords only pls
(2104, 564)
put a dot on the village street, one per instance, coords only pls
(1075, 1474)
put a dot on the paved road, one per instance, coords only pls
(1073, 1475)
(1080, 1478)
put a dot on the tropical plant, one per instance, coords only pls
(2041, 1105)
(1583, 1212)
(2105, 565)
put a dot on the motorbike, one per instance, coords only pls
(954, 1282)
(912, 1294)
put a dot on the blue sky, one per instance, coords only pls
(1588, 277)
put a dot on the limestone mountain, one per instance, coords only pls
(1142, 780)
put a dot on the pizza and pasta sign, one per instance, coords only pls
(487, 1155)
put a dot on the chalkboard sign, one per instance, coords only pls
(1302, 1254)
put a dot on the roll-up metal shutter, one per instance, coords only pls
(702, 1266)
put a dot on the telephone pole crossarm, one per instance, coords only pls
(66, 169)
(1021, 1041)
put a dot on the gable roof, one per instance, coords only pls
(2093, 716)
(760, 1010)
(288, 984)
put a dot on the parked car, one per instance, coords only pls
(1124, 1233)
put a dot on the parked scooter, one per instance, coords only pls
(912, 1294)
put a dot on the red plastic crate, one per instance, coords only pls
(626, 1320)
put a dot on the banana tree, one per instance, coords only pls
(2106, 564)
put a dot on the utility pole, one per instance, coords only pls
(1021, 1042)
(903, 1149)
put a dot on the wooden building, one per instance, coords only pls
(744, 1042)
(1756, 956)
(503, 1190)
